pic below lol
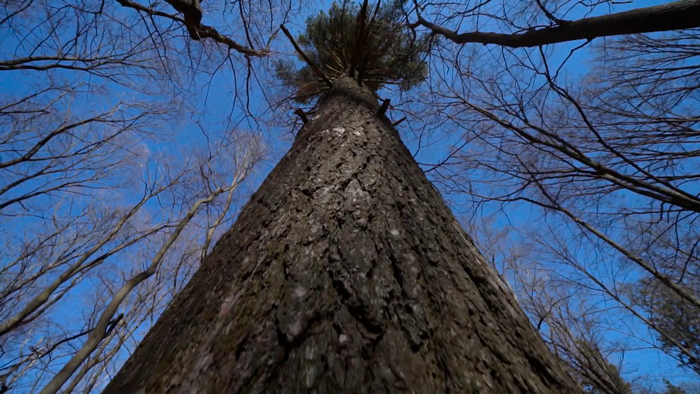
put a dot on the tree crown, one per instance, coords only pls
(369, 43)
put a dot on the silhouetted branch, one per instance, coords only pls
(302, 115)
(384, 107)
(398, 122)
(197, 30)
(683, 14)
(306, 58)
(361, 22)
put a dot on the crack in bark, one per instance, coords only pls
(357, 308)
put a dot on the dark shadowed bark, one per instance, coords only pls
(345, 272)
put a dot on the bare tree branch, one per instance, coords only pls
(678, 15)
(197, 30)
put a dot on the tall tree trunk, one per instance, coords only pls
(345, 273)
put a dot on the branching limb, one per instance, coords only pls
(102, 327)
(198, 30)
(551, 16)
(679, 15)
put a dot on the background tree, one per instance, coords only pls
(95, 189)
(671, 315)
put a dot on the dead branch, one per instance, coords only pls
(383, 107)
(398, 122)
(361, 22)
(302, 115)
(306, 58)
(679, 15)
(196, 29)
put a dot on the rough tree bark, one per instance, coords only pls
(345, 273)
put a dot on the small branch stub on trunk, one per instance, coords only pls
(300, 112)
(384, 107)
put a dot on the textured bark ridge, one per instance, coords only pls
(345, 273)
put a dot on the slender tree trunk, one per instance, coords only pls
(345, 273)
